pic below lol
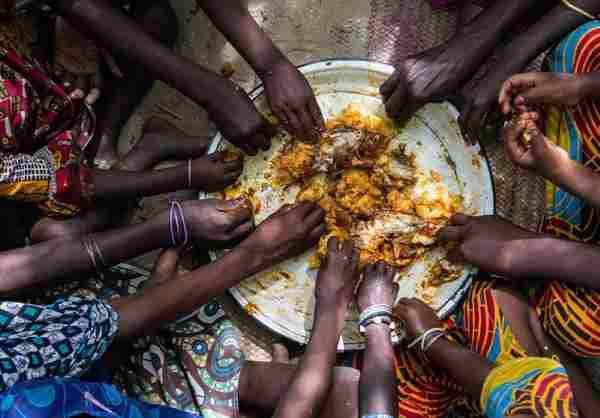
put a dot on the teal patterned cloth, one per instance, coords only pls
(63, 339)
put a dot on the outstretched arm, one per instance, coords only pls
(378, 393)
(439, 72)
(43, 263)
(313, 377)
(283, 235)
(229, 108)
(497, 246)
(445, 354)
(547, 31)
(289, 94)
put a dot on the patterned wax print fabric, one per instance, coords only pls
(427, 392)
(64, 398)
(43, 133)
(193, 365)
(569, 313)
(61, 339)
(531, 386)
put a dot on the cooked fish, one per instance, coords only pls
(394, 227)
(337, 147)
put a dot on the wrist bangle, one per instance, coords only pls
(421, 340)
(427, 345)
(378, 320)
(578, 9)
(177, 225)
(95, 255)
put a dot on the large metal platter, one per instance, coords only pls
(282, 298)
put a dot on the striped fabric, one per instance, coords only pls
(531, 386)
(571, 314)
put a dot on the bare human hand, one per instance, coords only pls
(213, 172)
(528, 148)
(288, 232)
(431, 75)
(539, 88)
(377, 286)
(338, 274)
(78, 62)
(417, 316)
(239, 121)
(292, 100)
(488, 242)
(214, 223)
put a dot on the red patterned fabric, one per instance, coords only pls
(43, 133)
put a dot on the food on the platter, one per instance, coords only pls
(440, 273)
(394, 237)
(370, 188)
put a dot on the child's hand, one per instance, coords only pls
(528, 148)
(287, 233)
(487, 242)
(338, 274)
(539, 88)
(238, 120)
(213, 223)
(213, 172)
(417, 316)
(293, 101)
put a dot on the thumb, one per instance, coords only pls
(166, 264)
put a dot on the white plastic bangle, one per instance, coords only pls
(421, 338)
(432, 341)
(375, 309)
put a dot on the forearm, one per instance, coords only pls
(453, 357)
(547, 31)
(149, 311)
(312, 380)
(123, 37)
(59, 259)
(240, 28)
(377, 386)
(589, 84)
(487, 30)
(577, 179)
(548, 258)
(123, 185)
